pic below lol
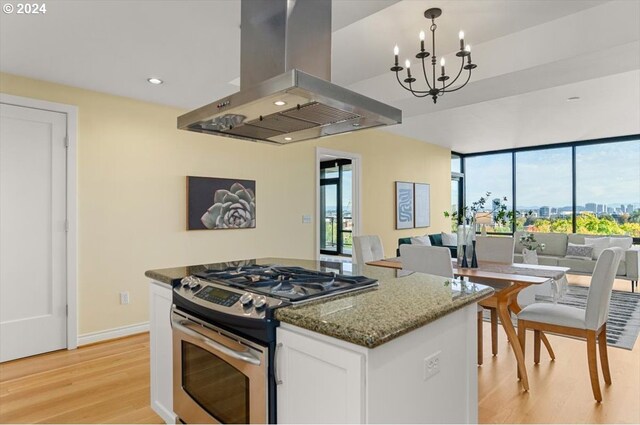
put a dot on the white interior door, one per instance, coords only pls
(33, 281)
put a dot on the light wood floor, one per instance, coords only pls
(560, 391)
(101, 383)
(109, 383)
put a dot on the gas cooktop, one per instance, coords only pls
(292, 284)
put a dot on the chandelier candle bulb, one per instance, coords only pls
(442, 65)
(395, 53)
(461, 36)
(422, 41)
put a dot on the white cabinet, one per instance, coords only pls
(327, 380)
(161, 351)
(321, 383)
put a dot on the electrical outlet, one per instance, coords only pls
(124, 298)
(431, 365)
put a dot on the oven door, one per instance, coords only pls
(217, 378)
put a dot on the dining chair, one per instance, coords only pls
(590, 323)
(497, 250)
(435, 260)
(367, 248)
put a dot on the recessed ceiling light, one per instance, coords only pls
(356, 124)
(573, 98)
(279, 103)
(155, 81)
(288, 139)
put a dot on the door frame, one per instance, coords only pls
(356, 190)
(71, 112)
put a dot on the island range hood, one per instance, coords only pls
(285, 91)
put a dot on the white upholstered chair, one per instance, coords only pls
(427, 259)
(590, 323)
(367, 248)
(434, 260)
(495, 249)
(498, 250)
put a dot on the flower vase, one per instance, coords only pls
(529, 256)
(474, 258)
(464, 264)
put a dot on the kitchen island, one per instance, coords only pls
(403, 352)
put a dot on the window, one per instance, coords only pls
(544, 200)
(608, 188)
(456, 164)
(489, 173)
(588, 187)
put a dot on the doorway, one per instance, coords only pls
(338, 202)
(336, 207)
(35, 225)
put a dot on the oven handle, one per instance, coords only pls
(238, 355)
(276, 369)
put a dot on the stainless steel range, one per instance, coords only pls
(224, 334)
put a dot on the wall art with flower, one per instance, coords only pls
(215, 203)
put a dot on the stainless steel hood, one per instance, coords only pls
(285, 94)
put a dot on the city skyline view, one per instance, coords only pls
(605, 174)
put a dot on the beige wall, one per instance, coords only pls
(132, 163)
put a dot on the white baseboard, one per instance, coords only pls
(92, 337)
(167, 415)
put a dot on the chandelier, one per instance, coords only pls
(434, 91)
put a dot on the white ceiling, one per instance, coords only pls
(531, 54)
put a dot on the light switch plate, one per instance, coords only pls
(306, 219)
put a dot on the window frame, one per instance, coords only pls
(573, 145)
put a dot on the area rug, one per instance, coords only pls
(623, 324)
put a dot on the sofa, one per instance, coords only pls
(556, 249)
(436, 240)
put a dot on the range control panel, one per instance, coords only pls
(218, 296)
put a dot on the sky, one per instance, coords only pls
(606, 174)
(346, 193)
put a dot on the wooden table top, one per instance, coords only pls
(491, 271)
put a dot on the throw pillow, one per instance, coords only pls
(421, 240)
(579, 252)
(599, 245)
(449, 239)
(624, 242)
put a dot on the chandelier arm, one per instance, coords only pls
(420, 95)
(465, 83)
(414, 92)
(457, 76)
(424, 71)
(409, 88)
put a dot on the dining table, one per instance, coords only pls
(507, 280)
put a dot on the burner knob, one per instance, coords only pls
(189, 282)
(246, 299)
(260, 302)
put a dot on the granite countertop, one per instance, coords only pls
(401, 303)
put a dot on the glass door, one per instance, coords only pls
(336, 218)
(330, 216)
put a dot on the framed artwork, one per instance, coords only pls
(404, 205)
(422, 207)
(215, 203)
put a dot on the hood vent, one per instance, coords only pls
(283, 43)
